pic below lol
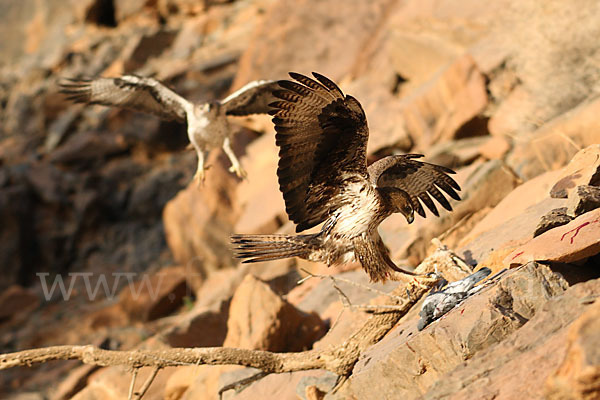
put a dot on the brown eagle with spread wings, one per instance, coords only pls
(323, 175)
(207, 124)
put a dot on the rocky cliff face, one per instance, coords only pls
(100, 201)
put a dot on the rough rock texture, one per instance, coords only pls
(198, 222)
(537, 350)
(554, 218)
(551, 146)
(297, 42)
(453, 99)
(583, 199)
(155, 296)
(574, 241)
(583, 169)
(261, 320)
(577, 376)
(15, 300)
(474, 328)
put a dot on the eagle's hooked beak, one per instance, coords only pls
(410, 217)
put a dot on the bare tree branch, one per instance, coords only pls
(339, 359)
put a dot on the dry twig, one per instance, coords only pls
(147, 384)
(132, 385)
(243, 383)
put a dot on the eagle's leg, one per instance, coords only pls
(420, 281)
(199, 175)
(425, 281)
(235, 164)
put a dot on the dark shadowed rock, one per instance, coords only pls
(552, 219)
(456, 153)
(199, 327)
(124, 9)
(583, 199)
(148, 46)
(155, 296)
(149, 194)
(16, 299)
(88, 148)
(17, 248)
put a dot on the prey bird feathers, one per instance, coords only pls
(440, 301)
(322, 138)
(207, 124)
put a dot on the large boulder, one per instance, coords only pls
(425, 363)
(260, 319)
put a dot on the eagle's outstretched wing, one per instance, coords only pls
(419, 179)
(129, 91)
(253, 98)
(322, 136)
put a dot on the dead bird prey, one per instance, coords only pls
(323, 175)
(439, 302)
(207, 124)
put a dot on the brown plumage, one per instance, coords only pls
(323, 175)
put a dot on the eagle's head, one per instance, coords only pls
(398, 201)
(212, 107)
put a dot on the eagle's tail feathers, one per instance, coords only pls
(256, 248)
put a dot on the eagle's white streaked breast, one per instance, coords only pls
(357, 215)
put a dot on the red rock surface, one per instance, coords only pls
(583, 169)
(453, 97)
(577, 240)
(577, 376)
(261, 320)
